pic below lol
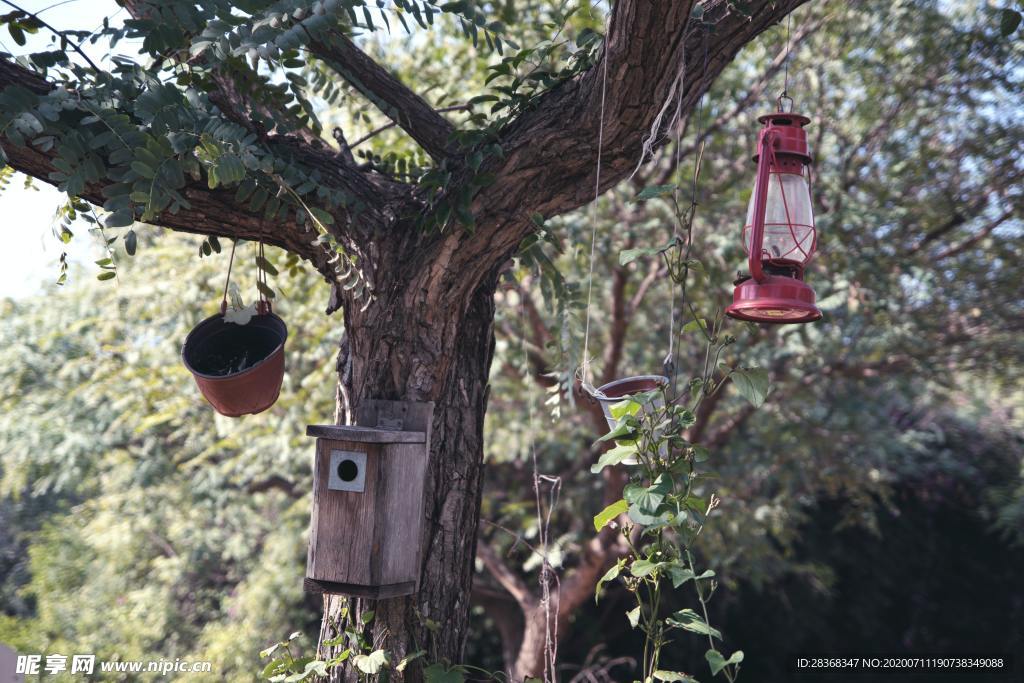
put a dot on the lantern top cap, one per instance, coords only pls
(782, 118)
(790, 136)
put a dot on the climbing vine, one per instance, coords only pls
(670, 497)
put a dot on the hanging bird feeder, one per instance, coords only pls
(779, 234)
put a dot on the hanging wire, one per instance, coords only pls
(785, 78)
(585, 364)
(227, 279)
(261, 278)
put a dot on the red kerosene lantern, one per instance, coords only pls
(779, 234)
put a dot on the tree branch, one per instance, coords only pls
(550, 150)
(508, 579)
(215, 211)
(393, 98)
(982, 233)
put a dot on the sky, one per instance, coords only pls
(28, 213)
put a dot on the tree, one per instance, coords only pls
(227, 151)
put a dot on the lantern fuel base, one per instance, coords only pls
(779, 233)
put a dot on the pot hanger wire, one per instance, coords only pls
(669, 361)
(227, 279)
(262, 302)
(585, 363)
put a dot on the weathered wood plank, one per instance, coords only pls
(341, 543)
(372, 592)
(364, 434)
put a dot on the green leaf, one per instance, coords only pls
(634, 616)
(16, 33)
(408, 658)
(752, 383)
(696, 324)
(700, 453)
(1009, 20)
(266, 290)
(312, 668)
(437, 673)
(321, 216)
(373, 662)
(620, 431)
(602, 518)
(614, 457)
(130, 242)
(649, 498)
(143, 170)
(609, 575)
(679, 575)
(688, 620)
(652, 191)
(266, 265)
(119, 219)
(274, 667)
(662, 675)
(627, 256)
(625, 407)
(642, 568)
(106, 275)
(717, 662)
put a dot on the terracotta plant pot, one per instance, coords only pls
(238, 368)
(609, 394)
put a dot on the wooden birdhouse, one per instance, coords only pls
(367, 521)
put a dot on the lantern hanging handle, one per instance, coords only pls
(765, 155)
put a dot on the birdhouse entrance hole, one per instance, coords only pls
(348, 470)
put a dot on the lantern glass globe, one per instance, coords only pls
(788, 220)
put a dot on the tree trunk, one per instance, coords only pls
(425, 340)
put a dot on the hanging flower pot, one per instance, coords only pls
(237, 357)
(609, 394)
(238, 368)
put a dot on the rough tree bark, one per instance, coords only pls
(427, 334)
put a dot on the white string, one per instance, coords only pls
(547, 573)
(593, 218)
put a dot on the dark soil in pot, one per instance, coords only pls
(231, 348)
